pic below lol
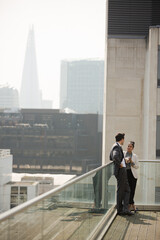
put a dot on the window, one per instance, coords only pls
(157, 194)
(158, 70)
(18, 196)
(158, 137)
(14, 197)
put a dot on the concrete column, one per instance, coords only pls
(150, 96)
(104, 132)
(125, 67)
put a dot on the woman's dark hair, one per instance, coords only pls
(119, 137)
(132, 143)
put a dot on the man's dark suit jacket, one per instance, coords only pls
(116, 155)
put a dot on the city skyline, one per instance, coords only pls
(55, 39)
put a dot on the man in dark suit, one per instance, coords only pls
(123, 190)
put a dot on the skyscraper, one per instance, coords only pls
(30, 95)
(82, 85)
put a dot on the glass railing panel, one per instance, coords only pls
(33, 218)
(27, 224)
(55, 214)
(73, 211)
(82, 201)
(148, 184)
(90, 199)
(70, 213)
(4, 230)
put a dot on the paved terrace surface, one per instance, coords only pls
(142, 226)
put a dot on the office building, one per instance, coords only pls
(132, 85)
(9, 97)
(13, 193)
(46, 104)
(47, 141)
(81, 88)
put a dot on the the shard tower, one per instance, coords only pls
(30, 95)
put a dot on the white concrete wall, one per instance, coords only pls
(5, 176)
(6, 197)
(32, 191)
(124, 91)
(6, 169)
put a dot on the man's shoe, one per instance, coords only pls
(121, 213)
(128, 213)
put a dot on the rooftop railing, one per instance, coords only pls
(80, 209)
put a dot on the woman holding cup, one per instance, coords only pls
(131, 165)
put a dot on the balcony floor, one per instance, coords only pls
(67, 223)
(142, 226)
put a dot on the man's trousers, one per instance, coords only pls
(123, 190)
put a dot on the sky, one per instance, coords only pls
(64, 29)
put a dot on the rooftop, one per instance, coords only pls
(22, 183)
(83, 60)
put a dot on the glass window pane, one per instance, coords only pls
(23, 190)
(14, 190)
(158, 66)
(158, 137)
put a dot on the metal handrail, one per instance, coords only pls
(156, 161)
(27, 204)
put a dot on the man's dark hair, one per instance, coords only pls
(119, 137)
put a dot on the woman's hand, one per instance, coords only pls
(131, 161)
(128, 160)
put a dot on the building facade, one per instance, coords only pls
(6, 160)
(52, 142)
(132, 86)
(17, 193)
(12, 193)
(81, 86)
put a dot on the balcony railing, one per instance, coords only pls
(79, 209)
